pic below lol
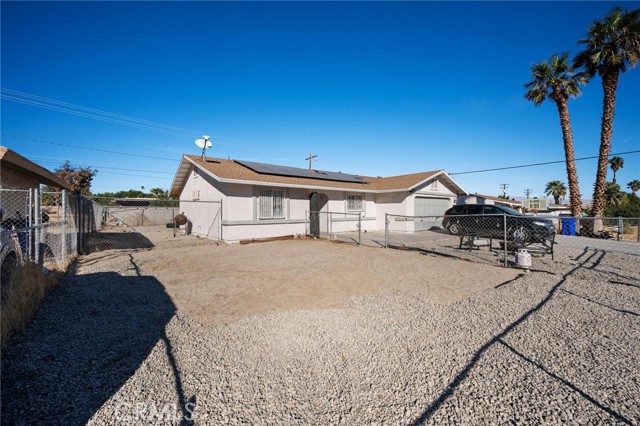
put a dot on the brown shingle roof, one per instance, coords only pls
(230, 170)
(234, 172)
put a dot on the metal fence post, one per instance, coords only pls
(329, 224)
(29, 218)
(620, 229)
(504, 225)
(63, 249)
(78, 215)
(306, 225)
(359, 229)
(37, 216)
(386, 230)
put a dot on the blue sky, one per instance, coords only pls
(371, 88)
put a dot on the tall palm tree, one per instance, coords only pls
(556, 189)
(611, 45)
(556, 79)
(616, 164)
(634, 186)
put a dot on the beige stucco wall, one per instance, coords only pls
(204, 217)
(10, 178)
(391, 203)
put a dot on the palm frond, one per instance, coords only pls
(612, 44)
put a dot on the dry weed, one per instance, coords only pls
(26, 291)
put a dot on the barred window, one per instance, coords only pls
(270, 204)
(354, 202)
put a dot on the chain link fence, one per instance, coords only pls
(338, 226)
(496, 238)
(135, 223)
(49, 228)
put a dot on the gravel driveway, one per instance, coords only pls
(110, 347)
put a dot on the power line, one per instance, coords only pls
(89, 149)
(107, 167)
(95, 111)
(538, 164)
(54, 105)
(106, 116)
(142, 176)
(120, 174)
(105, 119)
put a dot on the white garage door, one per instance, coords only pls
(429, 207)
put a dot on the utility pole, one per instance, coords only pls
(310, 157)
(528, 192)
(504, 187)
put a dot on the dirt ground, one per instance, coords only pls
(217, 284)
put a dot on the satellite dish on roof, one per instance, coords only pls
(204, 143)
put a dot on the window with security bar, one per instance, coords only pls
(270, 204)
(354, 202)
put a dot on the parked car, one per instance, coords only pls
(8, 263)
(488, 221)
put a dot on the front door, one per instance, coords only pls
(316, 203)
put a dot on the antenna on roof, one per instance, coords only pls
(204, 143)
(310, 157)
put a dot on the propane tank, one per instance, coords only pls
(523, 259)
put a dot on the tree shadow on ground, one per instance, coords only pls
(89, 337)
(498, 339)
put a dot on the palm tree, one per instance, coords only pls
(634, 186)
(157, 192)
(614, 195)
(555, 79)
(611, 45)
(616, 164)
(556, 189)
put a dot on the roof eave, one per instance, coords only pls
(447, 178)
(17, 162)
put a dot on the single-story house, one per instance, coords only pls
(488, 199)
(255, 200)
(545, 208)
(19, 175)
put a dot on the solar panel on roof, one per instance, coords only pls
(271, 169)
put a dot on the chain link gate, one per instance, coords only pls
(503, 235)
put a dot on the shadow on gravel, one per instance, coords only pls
(498, 339)
(622, 311)
(91, 335)
(566, 383)
(623, 283)
(102, 241)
